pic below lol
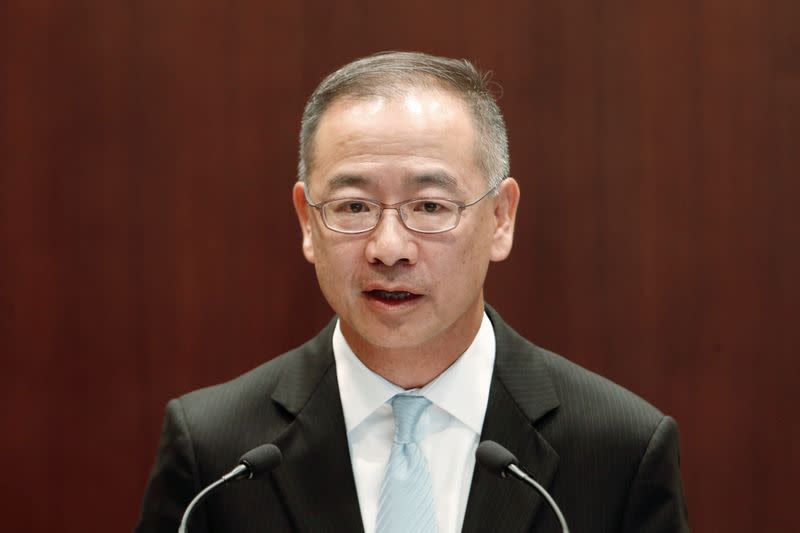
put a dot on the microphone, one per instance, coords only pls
(251, 465)
(501, 462)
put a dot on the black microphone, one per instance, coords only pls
(251, 465)
(501, 462)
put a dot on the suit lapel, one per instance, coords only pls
(521, 394)
(315, 478)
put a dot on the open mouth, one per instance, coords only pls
(392, 297)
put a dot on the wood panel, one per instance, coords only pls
(148, 246)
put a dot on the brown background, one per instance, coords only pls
(148, 246)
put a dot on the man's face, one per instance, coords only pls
(391, 287)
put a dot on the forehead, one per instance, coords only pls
(420, 136)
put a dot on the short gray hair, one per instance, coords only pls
(388, 74)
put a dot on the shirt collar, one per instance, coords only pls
(462, 390)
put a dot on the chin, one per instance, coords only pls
(392, 339)
(389, 337)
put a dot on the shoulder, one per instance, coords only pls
(253, 385)
(251, 389)
(604, 408)
(580, 401)
(256, 406)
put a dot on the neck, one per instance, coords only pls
(415, 366)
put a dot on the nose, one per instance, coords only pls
(391, 242)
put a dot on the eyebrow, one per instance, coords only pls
(342, 181)
(437, 178)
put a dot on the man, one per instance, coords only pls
(403, 200)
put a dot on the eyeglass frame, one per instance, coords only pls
(461, 206)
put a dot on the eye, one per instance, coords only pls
(350, 206)
(356, 207)
(429, 207)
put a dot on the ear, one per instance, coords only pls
(303, 211)
(505, 213)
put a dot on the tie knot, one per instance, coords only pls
(407, 411)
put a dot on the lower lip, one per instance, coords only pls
(401, 302)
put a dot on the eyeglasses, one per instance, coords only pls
(423, 215)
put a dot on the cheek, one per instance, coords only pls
(333, 277)
(478, 242)
(463, 268)
(336, 262)
(474, 258)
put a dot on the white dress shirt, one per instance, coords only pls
(450, 427)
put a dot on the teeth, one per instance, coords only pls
(399, 295)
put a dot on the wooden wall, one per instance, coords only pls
(148, 245)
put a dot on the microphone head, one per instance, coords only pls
(262, 459)
(494, 457)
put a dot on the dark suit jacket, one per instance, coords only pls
(607, 457)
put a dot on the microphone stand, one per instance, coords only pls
(522, 476)
(239, 472)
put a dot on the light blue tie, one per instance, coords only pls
(406, 499)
